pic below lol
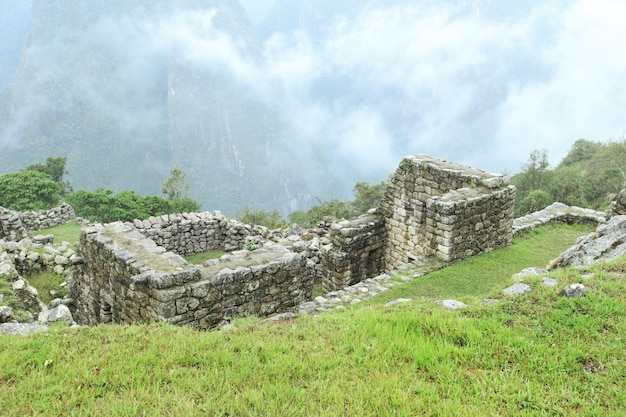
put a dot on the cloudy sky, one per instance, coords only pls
(482, 87)
(476, 89)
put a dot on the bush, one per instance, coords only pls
(29, 191)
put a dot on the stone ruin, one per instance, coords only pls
(134, 272)
(434, 208)
(16, 225)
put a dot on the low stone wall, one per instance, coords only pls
(558, 212)
(16, 225)
(358, 252)
(190, 233)
(127, 278)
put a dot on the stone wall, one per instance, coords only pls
(358, 252)
(127, 278)
(190, 233)
(15, 225)
(469, 221)
(436, 208)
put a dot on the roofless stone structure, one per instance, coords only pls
(134, 272)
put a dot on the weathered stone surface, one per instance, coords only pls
(451, 304)
(282, 317)
(6, 314)
(398, 301)
(575, 290)
(59, 314)
(618, 205)
(558, 212)
(517, 289)
(606, 243)
(529, 272)
(550, 282)
(23, 328)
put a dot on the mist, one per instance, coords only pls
(476, 83)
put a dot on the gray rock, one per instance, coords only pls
(575, 290)
(6, 313)
(529, 272)
(307, 308)
(398, 301)
(490, 301)
(7, 271)
(550, 282)
(517, 289)
(451, 304)
(59, 314)
(282, 317)
(606, 243)
(23, 328)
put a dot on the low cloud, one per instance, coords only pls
(388, 81)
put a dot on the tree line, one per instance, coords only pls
(588, 176)
(42, 186)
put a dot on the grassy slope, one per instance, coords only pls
(540, 354)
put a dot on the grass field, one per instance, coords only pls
(69, 232)
(538, 354)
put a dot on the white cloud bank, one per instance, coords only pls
(458, 86)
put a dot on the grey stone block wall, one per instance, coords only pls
(190, 233)
(17, 225)
(437, 208)
(127, 278)
(358, 252)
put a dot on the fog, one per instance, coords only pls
(465, 87)
(475, 82)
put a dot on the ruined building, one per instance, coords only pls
(134, 272)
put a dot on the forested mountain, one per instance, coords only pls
(320, 95)
(113, 86)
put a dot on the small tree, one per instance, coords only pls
(175, 187)
(55, 167)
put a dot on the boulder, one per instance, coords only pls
(606, 243)
(451, 304)
(575, 290)
(6, 314)
(517, 289)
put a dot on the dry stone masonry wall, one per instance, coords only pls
(191, 233)
(438, 209)
(134, 272)
(358, 252)
(15, 225)
(127, 278)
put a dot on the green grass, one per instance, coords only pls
(198, 258)
(536, 355)
(481, 276)
(69, 232)
(46, 281)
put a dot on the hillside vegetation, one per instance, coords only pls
(589, 175)
(538, 354)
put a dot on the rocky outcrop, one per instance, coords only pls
(560, 213)
(605, 243)
(618, 205)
